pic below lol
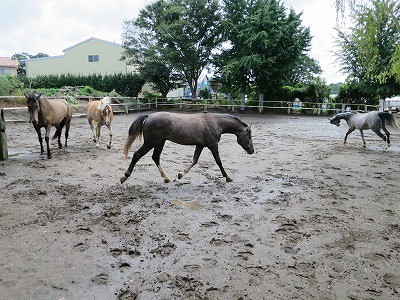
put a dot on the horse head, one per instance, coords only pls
(335, 121)
(244, 140)
(106, 114)
(33, 106)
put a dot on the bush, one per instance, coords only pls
(10, 86)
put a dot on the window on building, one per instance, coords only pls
(93, 58)
(4, 71)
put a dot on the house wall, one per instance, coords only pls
(75, 60)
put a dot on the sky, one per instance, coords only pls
(50, 26)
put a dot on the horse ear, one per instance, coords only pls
(26, 96)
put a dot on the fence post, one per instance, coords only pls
(260, 103)
(3, 137)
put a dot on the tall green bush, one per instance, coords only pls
(128, 85)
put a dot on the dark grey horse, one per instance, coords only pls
(373, 120)
(201, 130)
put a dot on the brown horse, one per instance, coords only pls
(46, 113)
(100, 113)
(201, 130)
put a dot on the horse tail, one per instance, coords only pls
(135, 131)
(390, 119)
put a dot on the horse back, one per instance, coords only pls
(57, 111)
(184, 129)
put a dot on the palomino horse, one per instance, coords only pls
(46, 113)
(201, 130)
(100, 113)
(373, 120)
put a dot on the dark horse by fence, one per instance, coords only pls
(201, 130)
(373, 120)
(46, 113)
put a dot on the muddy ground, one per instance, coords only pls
(306, 217)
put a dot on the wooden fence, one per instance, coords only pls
(129, 104)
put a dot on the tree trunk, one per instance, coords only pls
(228, 99)
(242, 101)
(260, 102)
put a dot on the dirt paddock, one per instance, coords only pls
(306, 217)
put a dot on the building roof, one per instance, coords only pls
(8, 62)
(92, 38)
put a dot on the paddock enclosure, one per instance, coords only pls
(305, 217)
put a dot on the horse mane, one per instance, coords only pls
(240, 121)
(343, 115)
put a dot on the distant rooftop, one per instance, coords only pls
(8, 62)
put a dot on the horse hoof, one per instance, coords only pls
(228, 179)
(123, 179)
(108, 146)
(98, 145)
(49, 156)
(180, 175)
(166, 180)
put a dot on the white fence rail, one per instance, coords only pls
(129, 104)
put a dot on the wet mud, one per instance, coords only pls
(305, 217)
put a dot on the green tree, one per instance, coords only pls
(179, 34)
(368, 52)
(265, 45)
(21, 57)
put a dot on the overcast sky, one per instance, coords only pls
(50, 26)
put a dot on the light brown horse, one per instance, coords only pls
(201, 130)
(100, 113)
(46, 113)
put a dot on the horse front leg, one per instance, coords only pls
(47, 139)
(39, 134)
(215, 153)
(98, 127)
(111, 135)
(196, 156)
(347, 134)
(136, 156)
(93, 127)
(362, 136)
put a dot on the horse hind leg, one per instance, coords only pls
(196, 156)
(156, 158)
(383, 137)
(387, 134)
(67, 126)
(47, 139)
(58, 136)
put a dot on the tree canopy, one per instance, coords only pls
(369, 51)
(178, 34)
(265, 46)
